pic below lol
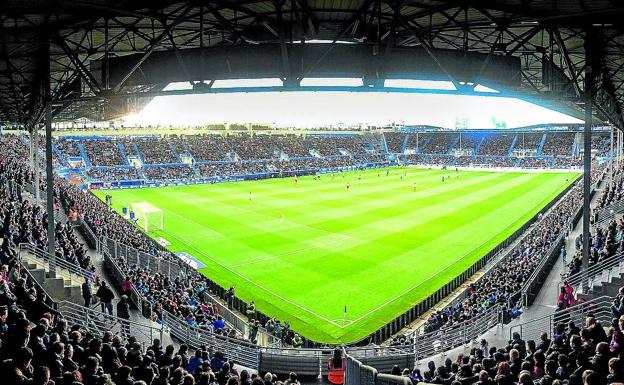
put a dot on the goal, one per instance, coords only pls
(148, 216)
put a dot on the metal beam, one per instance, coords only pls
(153, 46)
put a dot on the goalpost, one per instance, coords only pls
(147, 216)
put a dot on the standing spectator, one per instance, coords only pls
(229, 297)
(123, 312)
(251, 310)
(106, 296)
(126, 286)
(86, 292)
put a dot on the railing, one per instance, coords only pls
(145, 261)
(599, 307)
(595, 272)
(89, 235)
(607, 212)
(427, 344)
(242, 352)
(31, 280)
(542, 270)
(357, 373)
(100, 322)
(54, 260)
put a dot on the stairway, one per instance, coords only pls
(83, 153)
(513, 143)
(541, 145)
(122, 151)
(60, 284)
(607, 283)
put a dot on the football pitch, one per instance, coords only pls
(306, 250)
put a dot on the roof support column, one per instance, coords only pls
(589, 97)
(47, 103)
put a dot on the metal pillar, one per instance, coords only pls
(47, 102)
(589, 98)
(611, 169)
(34, 148)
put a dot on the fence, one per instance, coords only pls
(600, 308)
(356, 373)
(171, 268)
(53, 260)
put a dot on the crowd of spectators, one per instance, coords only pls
(156, 151)
(113, 174)
(601, 144)
(558, 144)
(68, 147)
(528, 141)
(500, 161)
(103, 152)
(496, 145)
(568, 162)
(24, 222)
(533, 162)
(613, 190)
(39, 347)
(206, 148)
(394, 141)
(468, 142)
(587, 354)
(439, 143)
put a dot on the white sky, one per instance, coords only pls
(314, 109)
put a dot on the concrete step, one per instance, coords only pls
(38, 274)
(60, 284)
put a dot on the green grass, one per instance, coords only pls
(303, 251)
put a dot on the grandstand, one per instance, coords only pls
(304, 192)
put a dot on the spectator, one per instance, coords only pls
(86, 292)
(106, 296)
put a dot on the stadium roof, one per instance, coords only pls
(109, 57)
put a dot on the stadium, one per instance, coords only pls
(311, 192)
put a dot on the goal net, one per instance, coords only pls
(147, 216)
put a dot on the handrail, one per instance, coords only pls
(615, 207)
(39, 287)
(599, 307)
(55, 260)
(446, 338)
(103, 322)
(244, 353)
(596, 269)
